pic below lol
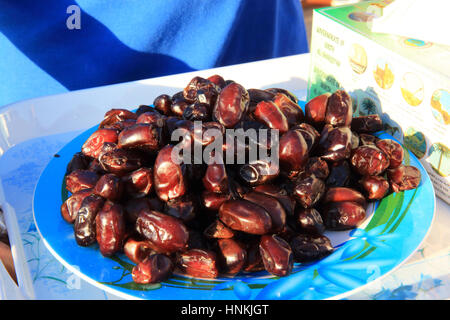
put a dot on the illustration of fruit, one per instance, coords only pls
(358, 58)
(438, 157)
(383, 74)
(368, 106)
(412, 89)
(440, 102)
(415, 141)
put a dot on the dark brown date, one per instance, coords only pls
(343, 215)
(272, 206)
(153, 269)
(120, 161)
(70, 207)
(143, 136)
(231, 105)
(79, 179)
(310, 221)
(310, 247)
(197, 112)
(404, 178)
(110, 229)
(245, 216)
(292, 111)
(216, 179)
(168, 176)
(367, 139)
(280, 194)
(217, 230)
(78, 161)
(84, 226)
(335, 143)
(213, 201)
(293, 151)
(340, 174)
(316, 109)
(393, 150)
(139, 183)
(116, 115)
(136, 250)
(367, 124)
(340, 194)
(167, 234)
(198, 263)
(317, 167)
(196, 84)
(231, 256)
(271, 115)
(276, 255)
(254, 261)
(287, 93)
(152, 117)
(183, 208)
(369, 160)
(217, 80)
(109, 186)
(308, 191)
(376, 187)
(339, 109)
(163, 103)
(258, 172)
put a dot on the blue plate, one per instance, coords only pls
(394, 228)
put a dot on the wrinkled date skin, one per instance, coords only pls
(404, 178)
(276, 255)
(167, 234)
(70, 207)
(287, 93)
(343, 215)
(137, 251)
(318, 167)
(143, 136)
(367, 124)
(120, 161)
(376, 187)
(78, 161)
(272, 206)
(335, 143)
(231, 105)
(139, 183)
(245, 216)
(308, 191)
(217, 80)
(153, 269)
(110, 229)
(94, 143)
(117, 115)
(309, 133)
(293, 151)
(196, 84)
(310, 221)
(198, 263)
(315, 110)
(339, 109)
(78, 180)
(271, 115)
(168, 176)
(84, 225)
(109, 186)
(231, 256)
(340, 194)
(393, 150)
(310, 247)
(369, 160)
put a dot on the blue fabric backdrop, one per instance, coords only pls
(135, 39)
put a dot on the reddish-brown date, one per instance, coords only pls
(94, 143)
(317, 167)
(258, 172)
(339, 109)
(231, 105)
(166, 233)
(198, 263)
(116, 115)
(139, 183)
(183, 208)
(393, 150)
(110, 228)
(231, 256)
(315, 110)
(271, 115)
(78, 161)
(136, 250)
(340, 194)
(84, 225)
(291, 110)
(245, 216)
(196, 84)
(109, 186)
(375, 187)
(254, 261)
(217, 80)
(79, 179)
(120, 161)
(369, 160)
(155, 268)
(276, 255)
(404, 178)
(310, 221)
(216, 179)
(367, 124)
(212, 200)
(272, 206)
(293, 151)
(142, 135)
(70, 207)
(280, 194)
(152, 117)
(218, 230)
(308, 191)
(162, 103)
(343, 215)
(335, 143)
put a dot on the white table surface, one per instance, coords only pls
(32, 131)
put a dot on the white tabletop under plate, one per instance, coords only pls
(32, 132)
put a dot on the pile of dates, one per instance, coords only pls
(206, 220)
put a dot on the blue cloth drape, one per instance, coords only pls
(128, 40)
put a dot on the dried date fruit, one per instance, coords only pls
(272, 206)
(343, 215)
(404, 178)
(393, 150)
(276, 255)
(315, 110)
(84, 225)
(163, 104)
(310, 221)
(79, 179)
(310, 247)
(198, 263)
(367, 124)
(70, 207)
(153, 269)
(369, 160)
(110, 228)
(109, 186)
(376, 187)
(231, 256)
(339, 109)
(231, 105)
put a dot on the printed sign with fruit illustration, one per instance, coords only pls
(438, 157)
(440, 102)
(383, 74)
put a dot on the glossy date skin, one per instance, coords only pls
(137, 251)
(94, 143)
(308, 191)
(293, 151)
(335, 143)
(340, 194)
(292, 111)
(272, 206)
(79, 179)
(110, 229)
(245, 216)
(231, 256)
(369, 160)
(216, 178)
(142, 135)
(166, 233)
(276, 255)
(367, 124)
(339, 109)
(155, 268)
(310, 221)
(315, 110)
(117, 115)
(404, 178)
(393, 150)
(139, 183)
(271, 115)
(258, 172)
(310, 247)
(70, 207)
(163, 104)
(231, 105)
(120, 161)
(84, 225)
(375, 187)
(109, 186)
(198, 263)
(217, 230)
(343, 215)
